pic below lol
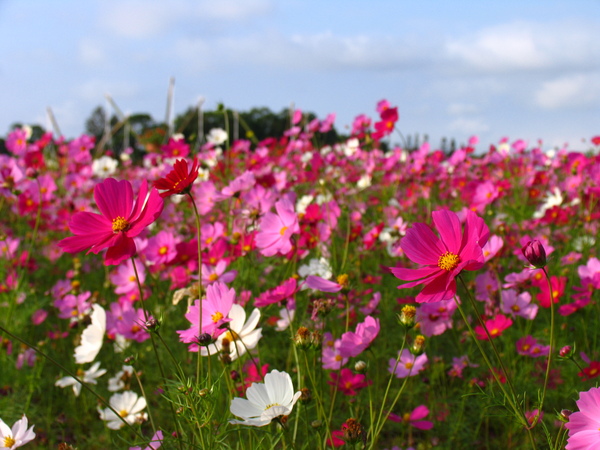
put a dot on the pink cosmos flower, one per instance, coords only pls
(74, 307)
(124, 278)
(442, 258)
(584, 425)
(409, 364)
(276, 229)
(161, 248)
(494, 326)
(518, 305)
(323, 285)
(215, 310)
(354, 343)
(121, 220)
(348, 383)
(331, 357)
(528, 346)
(436, 317)
(282, 292)
(414, 418)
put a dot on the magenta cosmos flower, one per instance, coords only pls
(121, 220)
(443, 257)
(584, 425)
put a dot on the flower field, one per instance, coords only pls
(291, 294)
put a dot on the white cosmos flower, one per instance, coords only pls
(104, 166)
(128, 405)
(242, 335)
(92, 337)
(117, 382)
(266, 401)
(216, 136)
(87, 376)
(18, 436)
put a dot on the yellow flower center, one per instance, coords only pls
(213, 277)
(409, 365)
(282, 231)
(231, 336)
(119, 224)
(216, 317)
(9, 441)
(448, 261)
(342, 280)
(123, 413)
(163, 250)
(271, 405)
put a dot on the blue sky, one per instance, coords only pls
(517, 69)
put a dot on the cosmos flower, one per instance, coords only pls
(128, 405)
(268, 401)
(179, 180)
(119, 222)
(87, 376)
(444, 257)
(584, 424)
(16, 437)
(241, 335)
(276, 229)
(92, 337)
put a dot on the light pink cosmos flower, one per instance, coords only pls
(331, 357)
(409, 364)
(276, 229)
(518, 305)
(444, 257)
(354, 343)
(323, 285)
(124, 278)
(121, 220)
(584, 425)
(435, 317)
(18, 436)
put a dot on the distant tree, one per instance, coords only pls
(96, 123)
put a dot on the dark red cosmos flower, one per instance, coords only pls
(179, 180)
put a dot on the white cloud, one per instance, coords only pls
(468, 125)
(323, 51)
(459, 109)
(571, 91)
(146, 18)
(524, 46)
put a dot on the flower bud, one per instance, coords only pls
(565, 414)
(418, 345)
(152, 324)
(353, 431)
(534, 253)
(407, 316)
(306, 395)
(360, 366)
(303, 338)
(565, 352)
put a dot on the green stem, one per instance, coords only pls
(512, 398)
(380, 420)
(550, 353)
(198, 237)
(71, 374)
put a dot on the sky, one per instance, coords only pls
(520, 69)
